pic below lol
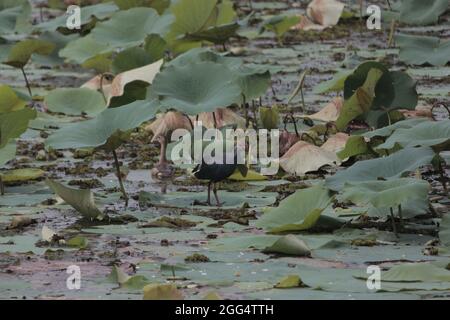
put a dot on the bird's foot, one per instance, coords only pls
(162, 170)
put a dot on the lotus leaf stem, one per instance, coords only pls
(27, 82)
(394, 226)
(119, 176)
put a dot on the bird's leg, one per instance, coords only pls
(219, 204)
(208, 201)
(162, 156)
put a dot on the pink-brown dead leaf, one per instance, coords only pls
(304, 157)
(224, 117)
(116, 87)
(321, 14)
(336, 143)
(330, 112)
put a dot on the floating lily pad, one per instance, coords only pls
(80, 200)
(9, 101)
(418, 12)
(145, 21)
(427, 134)
(297, 212)
(14, 124)
(75, 101)
(420, 50)
(391, 167)
(386, 194)
(196, 88)
(107, 130)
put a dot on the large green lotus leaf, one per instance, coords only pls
(87, 14)
(107, 130)
(140, 23)
(420, 50)
(410, 209)
(196, 88)
(14, 16)
(391, 167)
(215, 34)
(384, 90)
(83, 49)
(81, 200)
(192, 15)
(158, 5)
(254, 80)
(21, 52)
(9, 101)
(386, 194)
(155, 46)
(101, 63)
(355, 145)
(7, 153)
(430, 133)
(131, 58)
(297, 212)
(14, 124)
(75, 101)
(413, 272)
(361, 101)
(419, 12)
(60, 41)
(406, 96)
(387, 131)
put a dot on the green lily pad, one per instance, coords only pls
(80, 200)
(420, 50)
(108, 130)
(297, 212)
(14, 16)
(355, 145)
(136, 282)
(9, 101)
(391, 167)
(75, 101)
(14, 124)
(430, 133)
(290, 245)
(387, 131)
(145, 21)
(419, 12)
(281, 24)
(21, 52)
(7, 153)
(196, 88)
(362, 99)
(386, 194)
(413, 272)
(87, 13)
(83, 49)
(383, 85)
(406, 96)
